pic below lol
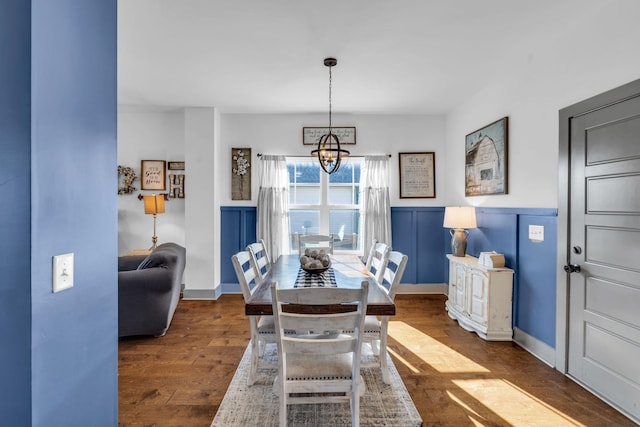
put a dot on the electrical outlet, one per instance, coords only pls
(62, 272)
(536, 233)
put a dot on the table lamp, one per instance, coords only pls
(458, 219)
(154, 205)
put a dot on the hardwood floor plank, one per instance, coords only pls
(454, 377)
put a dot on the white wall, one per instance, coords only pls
(597, 53)
(202, 273)
(149, 135)
(375, 134)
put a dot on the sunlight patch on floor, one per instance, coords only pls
(433, 352)
(513, 404)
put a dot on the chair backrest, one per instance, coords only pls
(393, 271)
(331, 343)
(246, 272)
(378, 259)
(260, 257)
(315, 241)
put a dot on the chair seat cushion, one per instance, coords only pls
(371, 325)
(266, 325)
(302, 367)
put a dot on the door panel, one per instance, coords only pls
(604, 319)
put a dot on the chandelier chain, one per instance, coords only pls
(330, 67)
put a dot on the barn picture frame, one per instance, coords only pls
(486, 159)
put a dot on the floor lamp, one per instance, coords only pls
(154, 205)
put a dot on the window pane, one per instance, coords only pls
(342, 195)
(341, 189)
(308, 172)
(304, 178)
(345, 224)
(344, 174)
(303, 222)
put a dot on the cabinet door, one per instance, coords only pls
(478, 295)
(460, 277)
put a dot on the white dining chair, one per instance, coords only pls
(260, 257)
(375, 329)
(319, 367)
(377, 259)
(262, 327)
(315, 241)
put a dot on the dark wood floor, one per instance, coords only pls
(454, 377)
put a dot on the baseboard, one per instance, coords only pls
(422, 288)
(201, 294)
(537, 348)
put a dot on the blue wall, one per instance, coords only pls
(534, 290)
(73, 208)
(418, 232)
(15, 216)
(238, 229)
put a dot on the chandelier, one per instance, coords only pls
(329, 152)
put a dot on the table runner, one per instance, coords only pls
(308, 280)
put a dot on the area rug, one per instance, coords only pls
(382, 405)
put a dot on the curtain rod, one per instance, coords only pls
(260, 155)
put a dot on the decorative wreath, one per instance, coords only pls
(127, 181)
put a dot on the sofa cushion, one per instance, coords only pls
(155, 259)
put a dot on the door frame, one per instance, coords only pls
(566, 114)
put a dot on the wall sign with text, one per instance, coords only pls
(152, 175)
(417, 175)
(346, 135)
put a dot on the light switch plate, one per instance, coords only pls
(536, 233)
(62, 272)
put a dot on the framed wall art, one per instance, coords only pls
(346, 135)
(241, 173)
(175, 166)
(417, 175)
(152, 175)
(486, 159)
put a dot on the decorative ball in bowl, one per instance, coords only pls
(315, 261)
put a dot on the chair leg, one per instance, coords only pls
(283, 406)
(355, 409)
(375, 348)
(254, 360)
(383, 351)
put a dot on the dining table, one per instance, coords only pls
(346, 271)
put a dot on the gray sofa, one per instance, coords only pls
(149, 290)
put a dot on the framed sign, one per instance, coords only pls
(176, 166)
(152, 175)
(346, 135)
(486, 160)
(417, 175)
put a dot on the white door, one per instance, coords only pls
(604, 259)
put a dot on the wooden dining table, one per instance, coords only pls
(349, 272)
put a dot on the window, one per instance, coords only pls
(325, 204)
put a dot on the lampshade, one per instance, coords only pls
(154, 204)
(460, 217)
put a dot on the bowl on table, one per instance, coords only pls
(315, 261)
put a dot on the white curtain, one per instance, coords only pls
(376, 205)
(273, 205)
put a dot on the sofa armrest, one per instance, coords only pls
(156, 280)
(129, 262)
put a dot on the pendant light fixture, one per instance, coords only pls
(329, 152)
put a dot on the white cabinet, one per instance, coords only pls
(480, 298)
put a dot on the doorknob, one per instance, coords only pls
(572, 268)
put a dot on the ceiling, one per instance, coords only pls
(266, 56)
